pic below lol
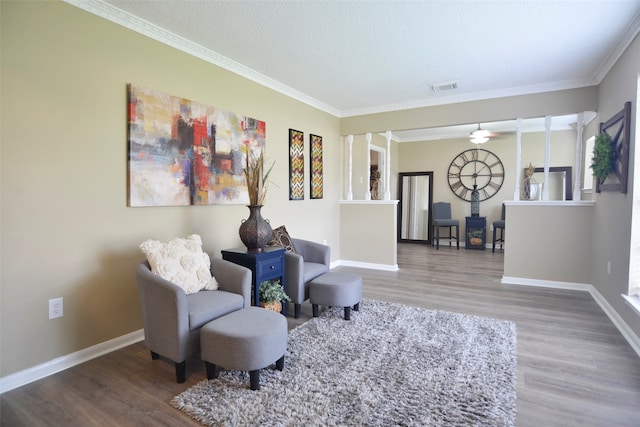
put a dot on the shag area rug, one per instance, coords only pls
(389, 365)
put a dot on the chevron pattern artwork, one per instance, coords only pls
(296, 165)
(315, 143)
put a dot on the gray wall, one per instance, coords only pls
(612, 216)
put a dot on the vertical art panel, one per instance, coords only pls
(315, 143)
(184, 153)
(296, 165)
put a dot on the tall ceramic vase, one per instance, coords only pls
(255, 231)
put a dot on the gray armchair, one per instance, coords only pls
(172, 319)
(310, 261)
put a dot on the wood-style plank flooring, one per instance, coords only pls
(574, 367)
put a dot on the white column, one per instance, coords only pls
(547, 153)
(387, 163)
(350, 191)
(368, 182)
(577, 193)
(516, 193)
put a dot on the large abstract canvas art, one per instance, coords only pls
(185, 153)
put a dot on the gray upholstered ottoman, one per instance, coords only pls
(245, 340)
(336, 290)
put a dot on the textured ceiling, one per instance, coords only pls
(358, 57)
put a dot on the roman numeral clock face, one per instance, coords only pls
(476, 167)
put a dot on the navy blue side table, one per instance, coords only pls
(475, 232)
(265, 265)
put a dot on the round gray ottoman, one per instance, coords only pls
(336, 290)
(245, 340)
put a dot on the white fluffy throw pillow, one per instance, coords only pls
(181, 261)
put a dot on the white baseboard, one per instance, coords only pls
(369, 265)
(522, 281)
(63, 362)
(617, 320)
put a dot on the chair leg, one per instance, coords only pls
(493, 248)
(347, 313)
(212, 372)
(457, 237)
(296, 311)
(356, 307)
(254, 379)
(437, 237)
(181, 371)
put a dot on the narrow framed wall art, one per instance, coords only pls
(296, 165)
(315, 145)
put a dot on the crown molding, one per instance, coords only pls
(120, 17)
(617, 51)
(475, 96)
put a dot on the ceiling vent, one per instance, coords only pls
(443, 87)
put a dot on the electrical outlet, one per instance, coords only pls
(56, 308)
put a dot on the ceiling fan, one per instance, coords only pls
(479, 136)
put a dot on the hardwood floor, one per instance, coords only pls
(574, 367)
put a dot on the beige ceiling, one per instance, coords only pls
(359, 57)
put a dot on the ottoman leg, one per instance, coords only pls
(315, 310)
(280, 363)
(356, 307)
(212, 372)
(347, 313)
(254, 379)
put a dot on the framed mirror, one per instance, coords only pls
(414, 216)
(559, 182)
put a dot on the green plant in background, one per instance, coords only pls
(604, 157)
(271, 290)
(475, 234)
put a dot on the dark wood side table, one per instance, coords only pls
(265, 265)
(475, 232)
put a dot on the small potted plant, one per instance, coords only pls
(272, 295)
(475, 237)
(529, 170)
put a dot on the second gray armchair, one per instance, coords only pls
(309, 261)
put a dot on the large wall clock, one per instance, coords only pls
(476, 167)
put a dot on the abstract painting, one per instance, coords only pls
(184, 153)
(296, 165)
(315, 144)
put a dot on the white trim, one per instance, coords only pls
(368, 202)
(64, 362)
(618, 322)
(368, 265)
(118, 16)
(523, 281)
(633, 302)
(580, 203)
